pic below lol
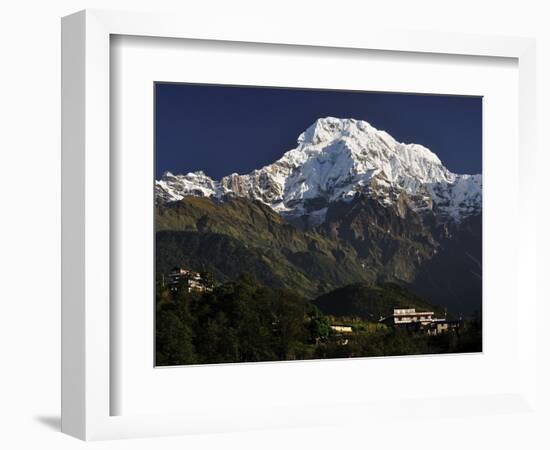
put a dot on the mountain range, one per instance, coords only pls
(349, 204)
(335, 160)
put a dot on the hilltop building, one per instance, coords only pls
(425, 321)
(193, 281)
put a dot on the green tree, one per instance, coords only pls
(174, 331)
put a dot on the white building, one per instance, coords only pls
(179, 277)
(408, 316)
(341, 329)
(418, 320)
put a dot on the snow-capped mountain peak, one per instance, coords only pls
(175, 187)
(335, 159)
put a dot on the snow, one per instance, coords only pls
(334, 159)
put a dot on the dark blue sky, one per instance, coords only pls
(226, 129)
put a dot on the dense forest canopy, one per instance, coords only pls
(246, 321)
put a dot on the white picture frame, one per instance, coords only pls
(86, 218)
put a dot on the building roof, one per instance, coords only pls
(410, 312)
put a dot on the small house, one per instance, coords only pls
(423, 321)
(341, 329)
(190, 279)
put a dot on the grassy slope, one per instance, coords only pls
(360, 243)
(243, 236)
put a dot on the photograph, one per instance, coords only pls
(306, 224)
(275, 225)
